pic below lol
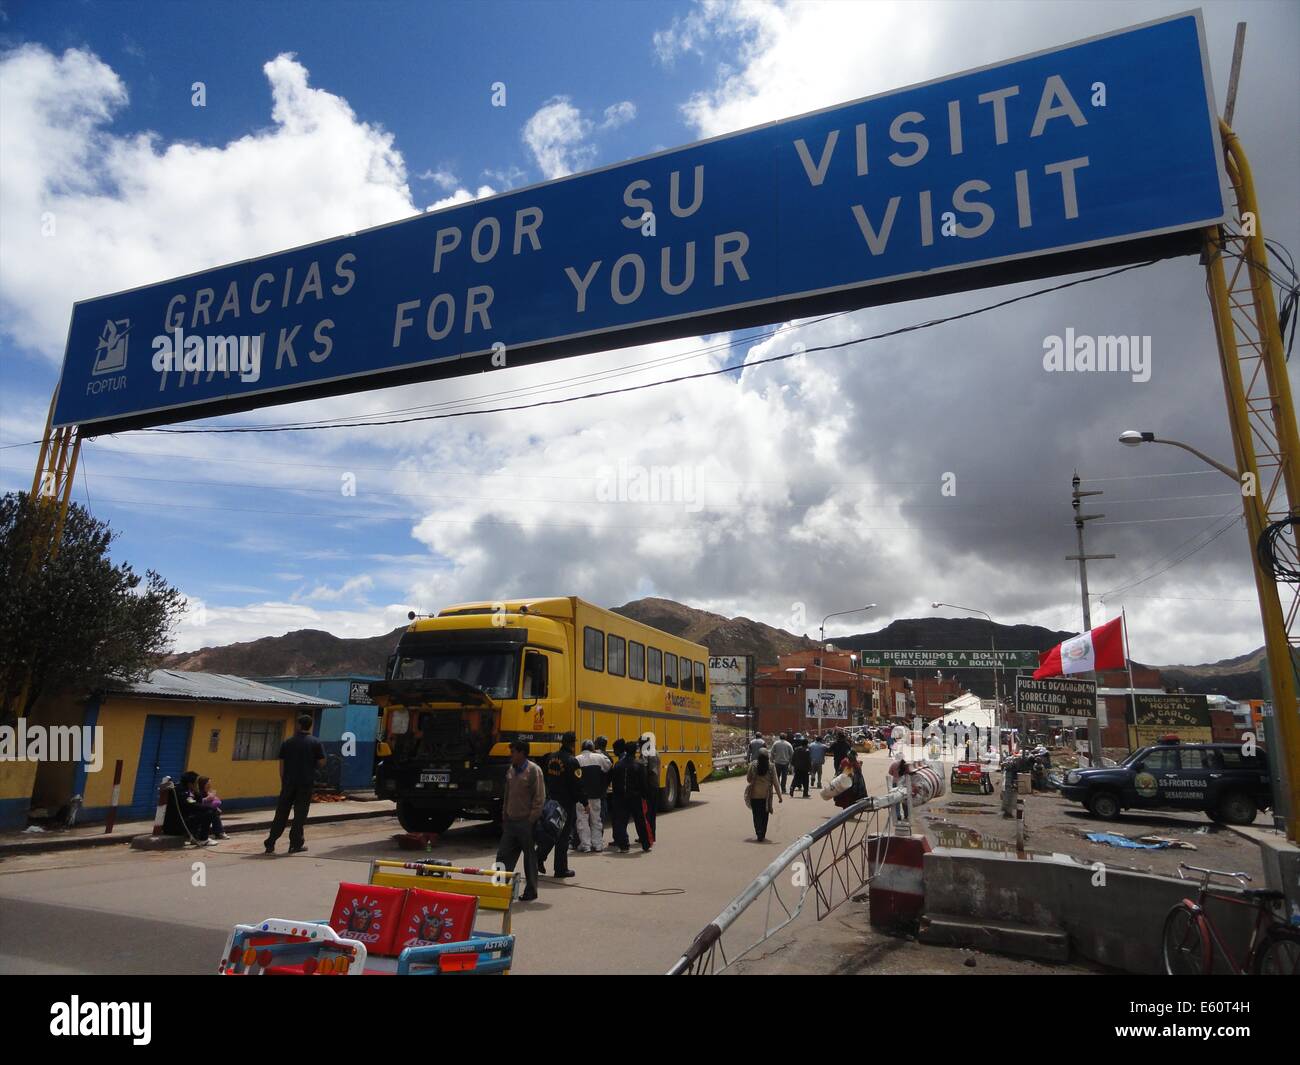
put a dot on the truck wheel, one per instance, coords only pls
(684, 797)
(669, 794)
(416, 819)
(1104, 804)
(1236, 808)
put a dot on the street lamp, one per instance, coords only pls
(1133, 438)
(821, 657)
(997, 666)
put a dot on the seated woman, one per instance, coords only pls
(210, 800)
(185, 814)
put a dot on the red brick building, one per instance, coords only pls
(782, 693)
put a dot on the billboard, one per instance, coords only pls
(917, 659)
(830, 704)
(1153, 716)
(1071, 158)
(730, 677)
(1057, 697)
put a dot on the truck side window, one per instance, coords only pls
(635, 660)
(534, 675)
(616, 659)
(593, 649)
(699, 677)
(655, 665)
(670, 670)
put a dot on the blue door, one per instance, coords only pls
(163, 751)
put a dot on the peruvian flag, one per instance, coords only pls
(1099, 648)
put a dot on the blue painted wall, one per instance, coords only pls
(360, 719)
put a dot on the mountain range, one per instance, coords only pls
(308, 652)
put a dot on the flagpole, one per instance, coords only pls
(1128, 661)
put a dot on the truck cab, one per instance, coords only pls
(460, 687)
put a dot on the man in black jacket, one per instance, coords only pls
(627, 779)
(564, 785)
(300, 756)
(801, 763)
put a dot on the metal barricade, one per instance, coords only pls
(839, 861)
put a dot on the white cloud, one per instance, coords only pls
(352, 587)
(619, 114)
(556, 134)
(443, 178)
(129, 209)
(461, 196)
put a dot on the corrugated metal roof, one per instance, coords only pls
(220, 687)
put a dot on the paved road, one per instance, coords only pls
(113, 910)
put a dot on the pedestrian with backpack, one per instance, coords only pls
(564, 787)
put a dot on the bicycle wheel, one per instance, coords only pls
(1186, 943)
(1278, 953)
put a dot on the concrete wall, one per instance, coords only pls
(1118, 924)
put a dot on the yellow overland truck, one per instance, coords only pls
(464, 684)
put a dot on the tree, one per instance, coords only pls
(71, 623)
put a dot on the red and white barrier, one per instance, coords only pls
(156, 840)
(896, 894)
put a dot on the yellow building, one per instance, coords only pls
(219, 726)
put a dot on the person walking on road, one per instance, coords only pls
(755, 745)
(848, 786)
(650, 759)
(564, 785)
(595, 774)
(520, 809)
(801, 764)
(760, 786)
(782, 752)
(841, 748)
(816, 758)
(300, 756)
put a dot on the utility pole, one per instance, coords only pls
(1076, 497)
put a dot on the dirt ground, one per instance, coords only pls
(1054, 825)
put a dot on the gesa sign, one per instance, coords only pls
(1100, 152)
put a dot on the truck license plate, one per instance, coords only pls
(435, 778)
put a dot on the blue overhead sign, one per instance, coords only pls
(1098, 152)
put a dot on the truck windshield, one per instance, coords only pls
(494, 673)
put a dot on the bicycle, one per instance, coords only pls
(1190, 937)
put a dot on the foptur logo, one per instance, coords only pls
(110, 352)
(79, 1018)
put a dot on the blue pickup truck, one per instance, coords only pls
(1221, 779)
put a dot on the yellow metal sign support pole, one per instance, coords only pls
(1262, 417)
(56, 467)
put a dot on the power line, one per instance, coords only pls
(915, 327)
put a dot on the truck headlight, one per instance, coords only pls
(1073, 777)
(399, 721)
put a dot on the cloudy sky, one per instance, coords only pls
(805, 487)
